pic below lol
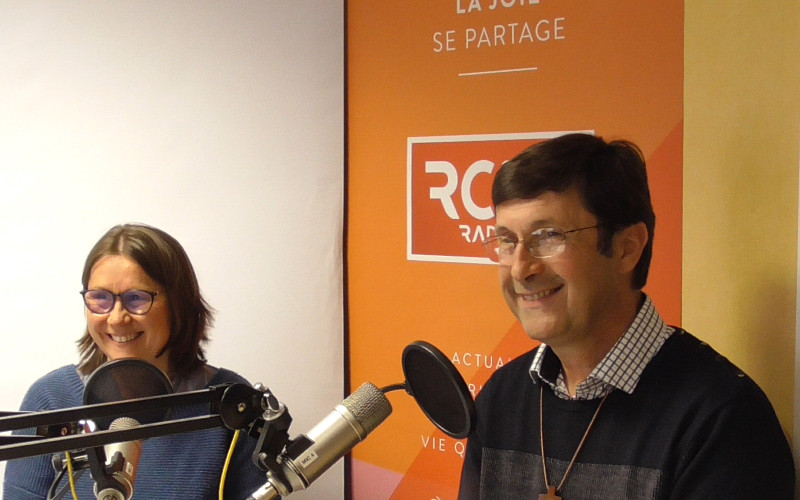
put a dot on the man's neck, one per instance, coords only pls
(578, 360)
(577, 365)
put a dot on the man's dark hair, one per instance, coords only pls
(611, 178)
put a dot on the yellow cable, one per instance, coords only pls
(227, 463)
(71, 477)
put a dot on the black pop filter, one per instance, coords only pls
(125, 379)
(438, 388)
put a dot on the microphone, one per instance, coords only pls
(121, 380)
(307, 457)
(123, 458)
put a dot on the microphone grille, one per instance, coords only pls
(369, 406)
(122, 423)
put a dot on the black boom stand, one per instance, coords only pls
(137, 390)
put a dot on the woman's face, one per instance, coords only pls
(119, 333)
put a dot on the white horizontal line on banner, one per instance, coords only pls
(496, 71)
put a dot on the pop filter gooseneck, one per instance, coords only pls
(438, 388)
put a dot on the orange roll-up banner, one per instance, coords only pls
(440, 94)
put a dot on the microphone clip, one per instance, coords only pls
(272, 429)
(80, 461)
(102, 473)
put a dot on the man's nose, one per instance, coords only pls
(524, 265)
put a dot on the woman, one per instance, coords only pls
(143, 301)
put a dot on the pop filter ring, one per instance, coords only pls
(446, 401)
(127, 379)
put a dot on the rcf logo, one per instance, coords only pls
(449, 193)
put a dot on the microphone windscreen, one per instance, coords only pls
(122, 423)
(369, 406)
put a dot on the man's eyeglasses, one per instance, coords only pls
(542, 243)
(103, 301)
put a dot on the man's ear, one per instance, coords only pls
(629, 244)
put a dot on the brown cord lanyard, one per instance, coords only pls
(552, 491)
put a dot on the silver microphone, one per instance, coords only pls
(128, 453)
(347, 425)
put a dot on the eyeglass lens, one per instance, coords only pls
(134, 301)
(543, 242)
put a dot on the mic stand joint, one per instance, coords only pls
(273, 437)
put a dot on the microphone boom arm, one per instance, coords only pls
(231, 406)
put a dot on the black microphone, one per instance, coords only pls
(312, 454)
(123, 458)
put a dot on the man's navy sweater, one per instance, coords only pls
(695, 427)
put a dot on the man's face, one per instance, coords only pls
(567, 299)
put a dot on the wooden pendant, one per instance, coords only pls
(550, 495)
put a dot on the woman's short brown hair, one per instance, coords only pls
(165, 261)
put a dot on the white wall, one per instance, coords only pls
(219, 122)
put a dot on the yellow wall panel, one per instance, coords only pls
(742, 121)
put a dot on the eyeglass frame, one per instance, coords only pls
(490, 241)
(116, 296)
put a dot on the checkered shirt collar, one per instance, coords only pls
(620, 369)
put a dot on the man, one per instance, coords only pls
(614, 404)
